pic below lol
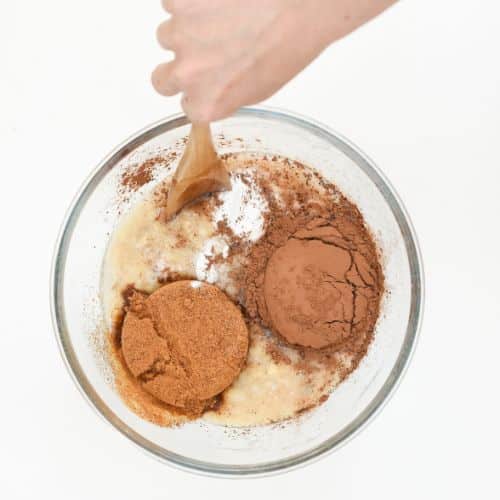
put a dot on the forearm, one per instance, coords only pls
(230, 53)
(338, 18)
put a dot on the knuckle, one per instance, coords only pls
(164, 79)
(187, 73)
(167, 5)
(157, 82)
(173, 6)
(205, 112)
(177, 78)
(167, 34)
(173, 78)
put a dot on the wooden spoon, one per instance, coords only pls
(200, 171)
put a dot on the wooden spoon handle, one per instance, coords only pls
(200, 170)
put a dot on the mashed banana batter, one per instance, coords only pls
(287, 247)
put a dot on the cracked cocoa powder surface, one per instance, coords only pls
(184, 344)
(314, 279)
(311, 287)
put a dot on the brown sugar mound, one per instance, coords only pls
(184, 343)
(311, 287)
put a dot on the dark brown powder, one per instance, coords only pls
(313, 217)
(139, 175)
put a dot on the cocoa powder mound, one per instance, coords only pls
(314, 279)
(315, 287)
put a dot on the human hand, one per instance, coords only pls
(231, 53)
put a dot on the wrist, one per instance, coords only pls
(338, 18)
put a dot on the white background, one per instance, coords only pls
(418, 90)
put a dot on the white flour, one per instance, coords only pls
(212, 247)
(242, 208)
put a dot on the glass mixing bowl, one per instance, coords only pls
(204, 447)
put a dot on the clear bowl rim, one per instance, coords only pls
(329, 445)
